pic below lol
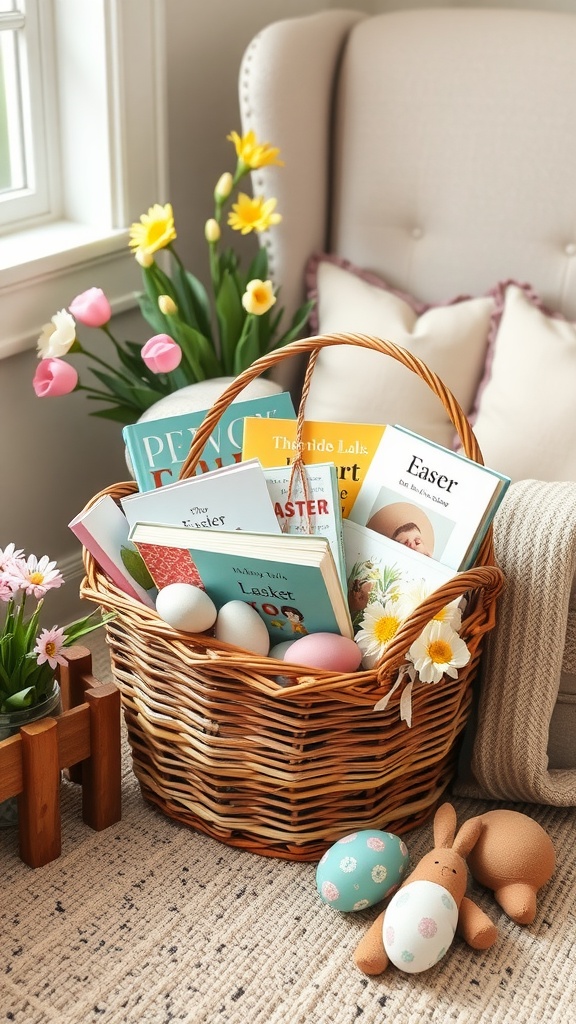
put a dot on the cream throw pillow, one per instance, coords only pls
(362, 386)
(525, 418)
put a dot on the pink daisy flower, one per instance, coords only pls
(35, 575)
(8, 555)
(49, 647)
(6, 588)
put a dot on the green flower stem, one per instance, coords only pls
(97, 359)
(109, 334)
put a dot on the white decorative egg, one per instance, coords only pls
(419, 926)
(186, 607)
(279, 650)
(361, 869)
(240, 625)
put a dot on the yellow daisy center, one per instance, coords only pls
(36, 578)
(386, 628)
(440, 652)
(50, 648)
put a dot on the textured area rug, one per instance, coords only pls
(150, 922)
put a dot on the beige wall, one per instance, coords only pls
(53, 456)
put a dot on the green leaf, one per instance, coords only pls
(191, 299)
(81, 627)
(23, 699)
(118, 414)
(231, 317)
(136, 566)
(134, 395)
(298, 323)
(258, 268)
(152, 315)
(247, 349)
(201, 305)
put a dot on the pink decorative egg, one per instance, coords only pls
(329, 651)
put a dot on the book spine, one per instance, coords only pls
(117, 573)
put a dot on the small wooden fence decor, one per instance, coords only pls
(85, 739)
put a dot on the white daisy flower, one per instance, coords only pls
(379, 626)
(451, 614)
(438, 651)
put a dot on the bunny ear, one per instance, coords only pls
(468, 836)
(444, 826)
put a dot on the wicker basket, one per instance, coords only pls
(218, 745)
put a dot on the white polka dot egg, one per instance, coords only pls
(419, 926)
(361, 869)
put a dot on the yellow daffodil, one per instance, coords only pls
(145, 259)
(253, 153)
(259, 297)
(155, 230)
(215, 329)
(212, 230)
(167, 305)
(255, 214)
(224, 186)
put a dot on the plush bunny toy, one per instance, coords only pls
(507, 851)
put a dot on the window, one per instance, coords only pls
(78, 149)
(26, 113)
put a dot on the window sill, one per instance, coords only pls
(42, 269)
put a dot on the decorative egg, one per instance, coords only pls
(240, 625)
(361, 869)
(279, 650)
(419, 926)
(325, 650)
(186, 607)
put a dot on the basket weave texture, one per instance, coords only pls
(219, 745)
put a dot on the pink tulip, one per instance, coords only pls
(91, 308)
(161, 354)
(53, 378)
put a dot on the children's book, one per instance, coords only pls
(428, 498)
(306, 500)
(158, 448)
(350, 446)
(103, 530)
(232, 498)
(290, 579)
(378, 569)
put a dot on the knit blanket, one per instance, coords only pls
(525, 656)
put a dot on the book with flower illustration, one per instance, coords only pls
(157, 448)
(306, 500)
(378, 569)
(290, 579)
(350, 446)
(235, 497)
(428, 497)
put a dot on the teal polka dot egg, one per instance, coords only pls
(361, 869)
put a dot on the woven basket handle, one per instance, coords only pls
(314, 345)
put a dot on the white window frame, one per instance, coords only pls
(34, 76)
(113, 160)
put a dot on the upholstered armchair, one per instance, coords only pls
(428, 198)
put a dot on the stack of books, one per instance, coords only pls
(300, 529)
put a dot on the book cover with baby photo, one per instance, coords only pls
(428, 498)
